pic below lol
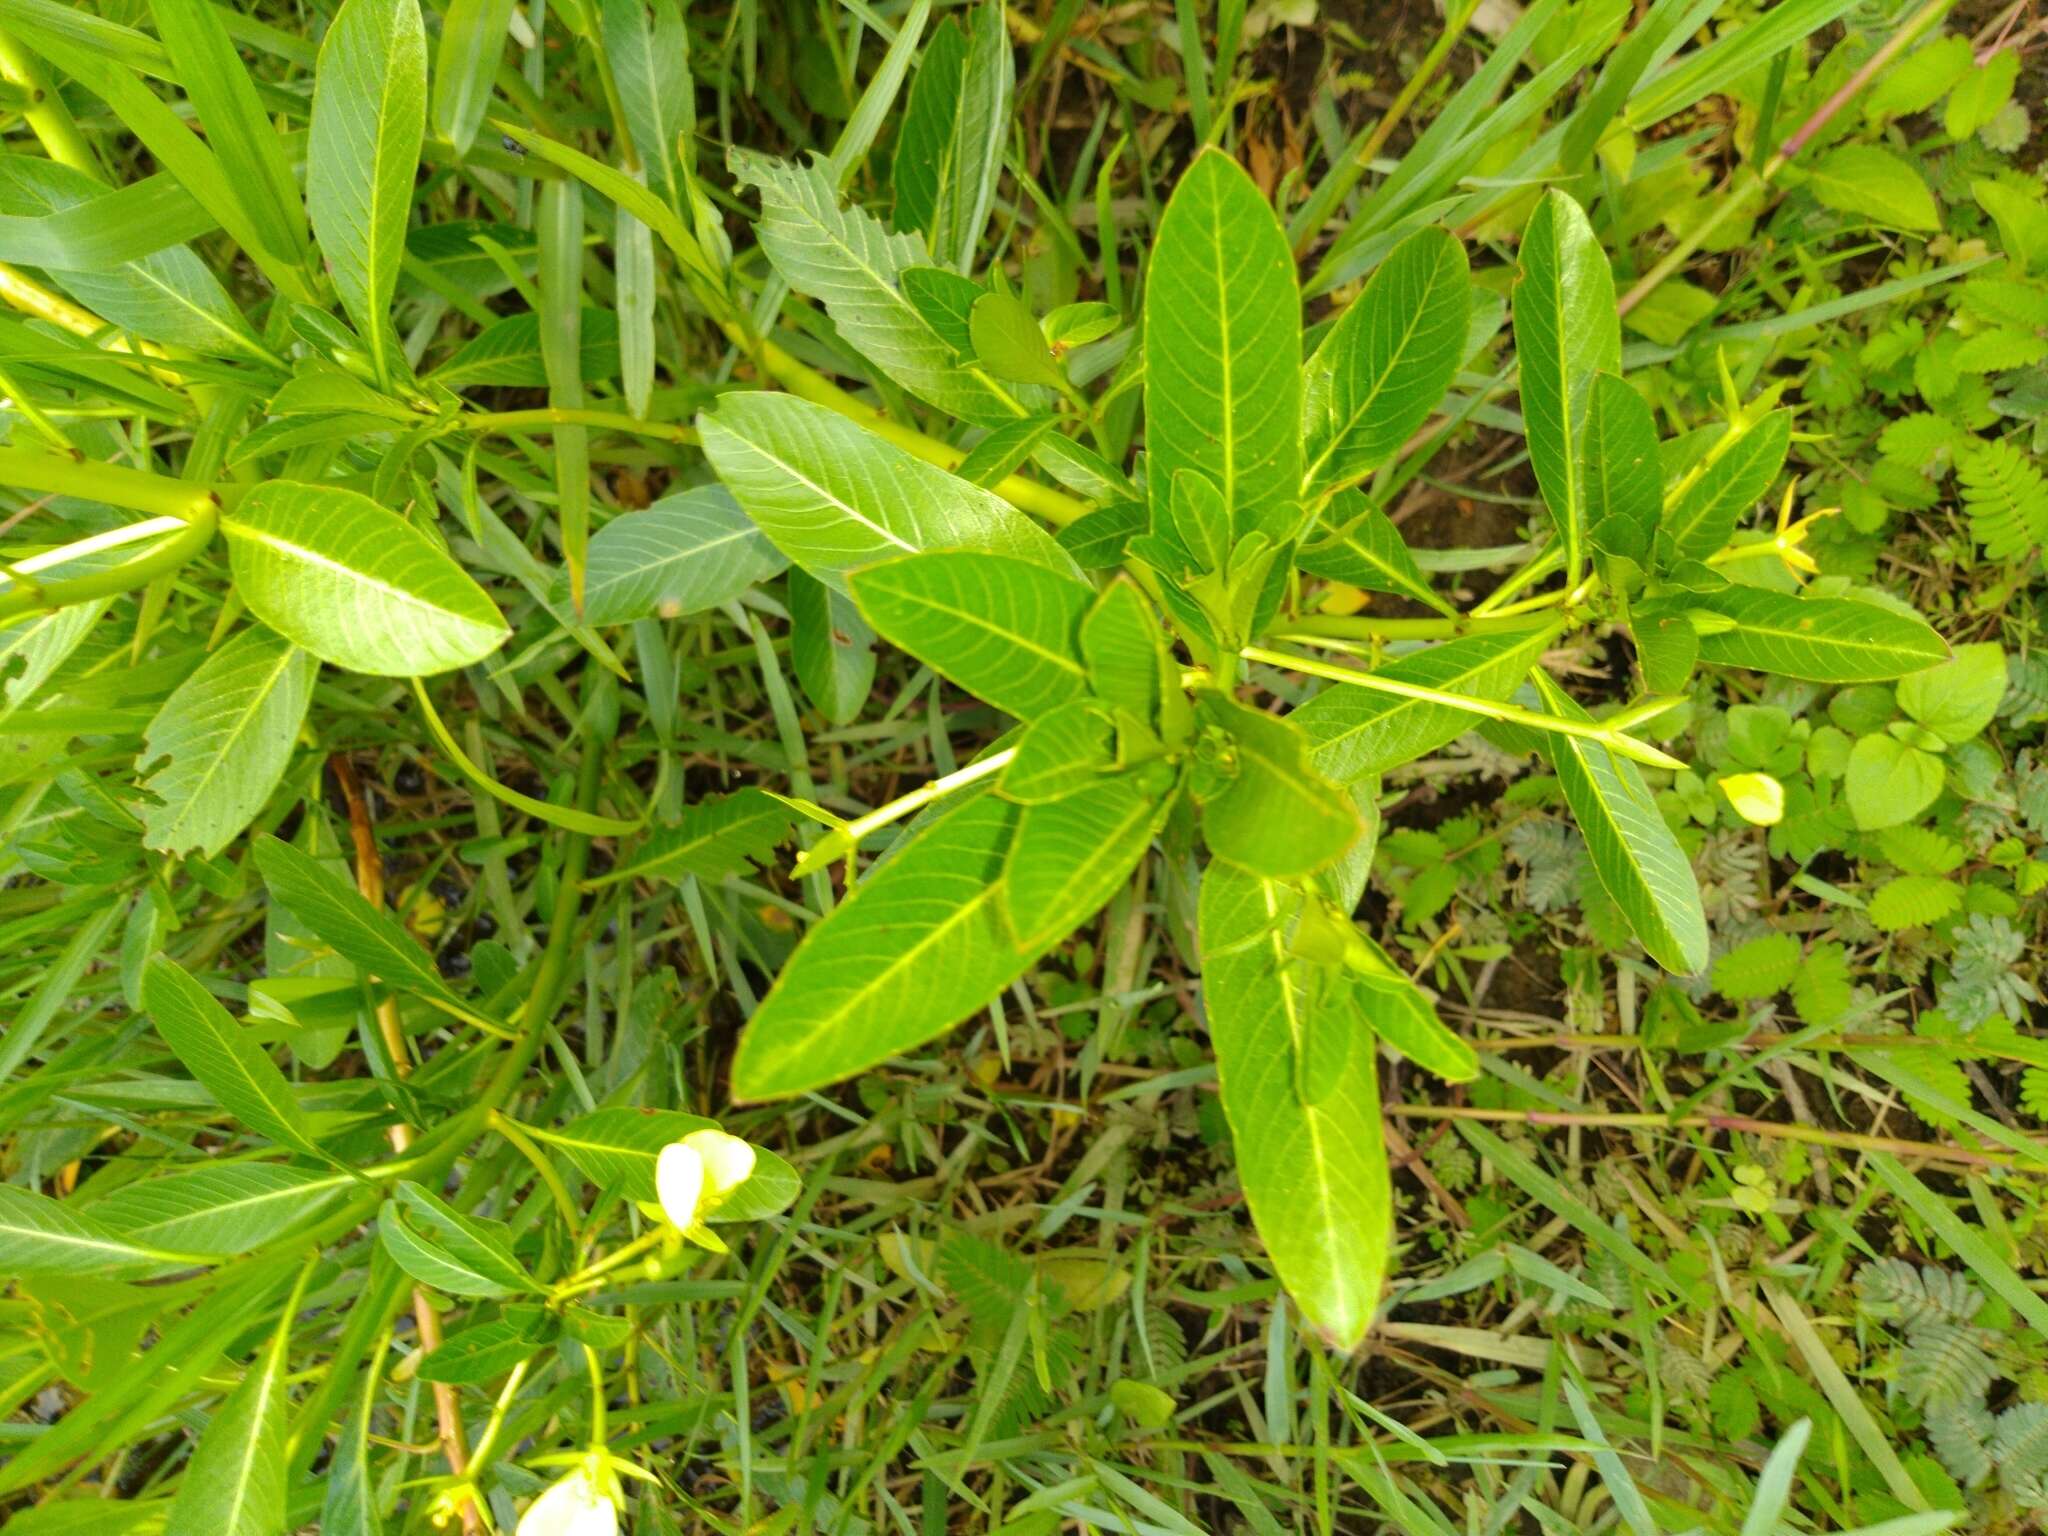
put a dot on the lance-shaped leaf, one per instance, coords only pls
(235, 1485)
(650, 62)
(1004, 629)
(919, 946)
(355, 584)
(616, 1149)
(1387, 362)
(1633, 851)
(725, 835)
(1624, 485)
(835, 497)
(439, 1246)
(687, 552)
(220, 1055)
(1366, 550)
(336, 913)
(1223, 348)
(1074, 853)
(369, 119)
(1355, 732)
(1275, 813)
(225, 1209)
(223, 738)
(1728, 482)
(41, 1236)
(1821, 639)
(1567, 329)
(1309, 1152)
(949, 149)
(830, 645)
(465, 66)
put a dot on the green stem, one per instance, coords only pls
(47, 116)
(1317, 628)
(513, 1132)
(187, 539)
(842, 840)
(28, 469)
(541, 419)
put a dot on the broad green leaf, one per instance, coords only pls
(835, 497)
(688, 552)
(1009, 341)
(439, 1246)
(223, 738)
(508, 352)
(369, 120)
(1223, 348)
(484, 1352)
(1200, 521)
(235, 1484)
(1355, 732)
(1386, 363)
(41, 1236)
(226, 1209)
(466, 66)
(1960, 696)
(168, 296)
(1275, 813)
(830, 646)
(1624, 486)
(335, 912)
(1889, 782)
(356, 585)
(1712, 499)
(1366, 550)
(1635, 855)
(2021, 220)
(1125, 652)
(955, 120)
(725, 835)
(919, 946)
(1073, 854)
(1875, 183)
(1403, 1016)
(1006, 630)
(1821, 639)
(616, 1150)
(1567, 331)
(220, 1055)
(650, 64)
(1314, 1173)
(846, 260)
(1062, 752)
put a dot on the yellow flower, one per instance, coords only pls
(1791, 535)
(1758, 798)
(696, 1175)
(584, 1503)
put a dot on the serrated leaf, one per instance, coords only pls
(725, 835)
(918, 946)
(1314, 1174)
(1072, 854)
(1889, 782)
(687, 552)
(1386, 363)
(369, 122)
(224, 737)
(1634, 854)
(1366, 550)
(1006, 630)
(1567, 331)
(1821, 639)
(1223, 348)
(356, 585)
(223, 1059)
(835, 498)
(508, 352)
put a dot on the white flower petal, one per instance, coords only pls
(571, 1507)
(679, 1181)
(728, 1161)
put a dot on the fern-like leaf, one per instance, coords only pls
(2006, 497)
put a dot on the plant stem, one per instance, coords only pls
(544, 417)
(29, 469)
(842, 840)
(1316, 628)
(187, 539)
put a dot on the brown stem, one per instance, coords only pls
(370, 882)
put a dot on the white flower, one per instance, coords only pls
(694, 1176)
(574, 1506)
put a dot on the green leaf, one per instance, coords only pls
(1763, 967)
(1728, 483)
(220, 1055)
(1367, 550)
(1004, 629)
(1980, 93)
(1567, 330)
(356, 585)
(919, 945)
(1633, 852)
(650, 64)
(1402, 1015)
(830, 646)
(41, 1236)
(844, 258)
(228, 1209)
(1223, 349)
(1074, 853)
(1913, 901)
(235, 1485)
(1314, 1174)
(2022, 222)
(834, 497)
(1889, 782)
(335, 912)
(1624, 484)
(725, 835)
(508, 352)
(1010, 343)
(1960, 696)
(1386, 363)
(349, 1506)
(439, 1246)
(1875, 183)
(688, 552)
(950, 145)
(224, 737)
(1125, 652)
(616, 1150)
(1062, 752)
(369, 120)
(1355, 732)
(466, 66)
(1275, 814)
(1821, 639)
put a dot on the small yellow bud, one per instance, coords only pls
(1758, 798)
